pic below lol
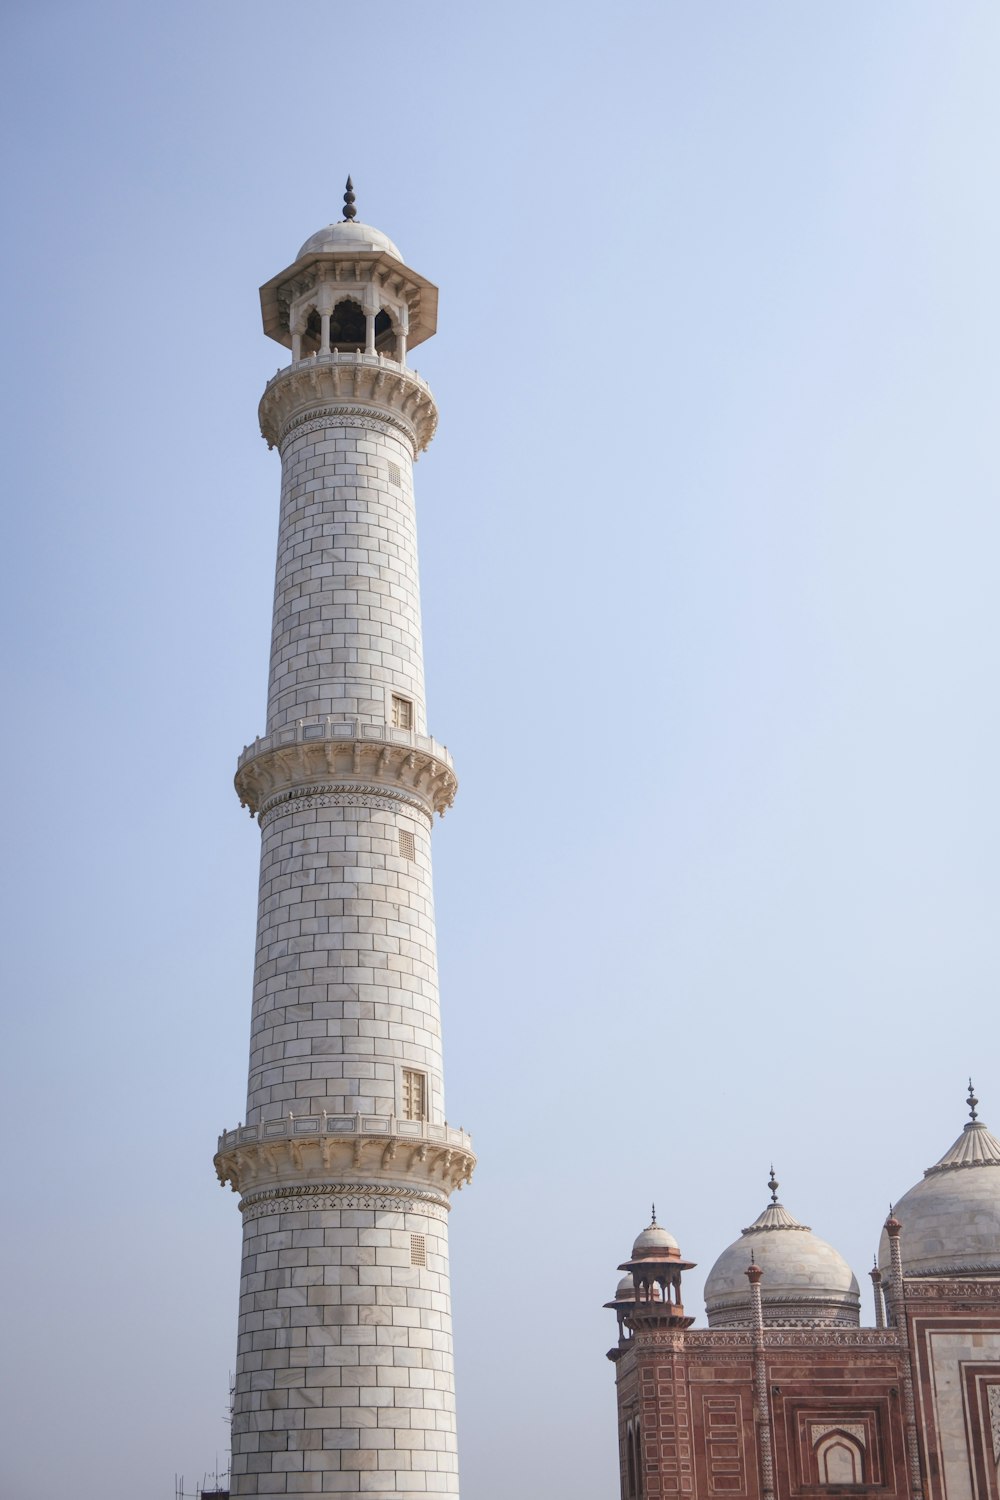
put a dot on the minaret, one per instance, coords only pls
(345, 1165)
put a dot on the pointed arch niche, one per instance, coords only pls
(839, 1456)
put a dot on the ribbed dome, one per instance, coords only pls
(951, 1219)
(347, 239)
(805, 1280)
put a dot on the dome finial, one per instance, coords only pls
(973, 1101)
(652, 1224)
(773, 1184)
(350, 212)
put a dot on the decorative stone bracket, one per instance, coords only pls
(346, 1148)
(328, 758)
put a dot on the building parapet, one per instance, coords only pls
(388, 1126)
(349, 729)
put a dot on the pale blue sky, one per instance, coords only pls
(709, 542)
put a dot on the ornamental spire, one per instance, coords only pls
(773, 1184)
(350, 212)
(973, 1101)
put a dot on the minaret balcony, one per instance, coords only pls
(329, 757)
(300, 1149)
(298, 392)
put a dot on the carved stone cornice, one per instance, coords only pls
(379, 386)
(947, 1290)
(796, 1338)
(348, 762)
(331, 1153)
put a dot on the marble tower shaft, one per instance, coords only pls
(345, 1163)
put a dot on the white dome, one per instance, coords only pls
(347, 239)
(951, 1219)
(625, 1290)
(804, 1279)
(651, 1241)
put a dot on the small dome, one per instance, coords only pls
(625, 1290)
(804, 1279)
(653, 1241)
(347, 238)
(951, 1219)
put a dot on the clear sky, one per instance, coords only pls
(709, 548)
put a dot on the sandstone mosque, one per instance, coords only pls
(345, 1163)
(784, 1394)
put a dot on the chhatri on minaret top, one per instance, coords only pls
(389, 308)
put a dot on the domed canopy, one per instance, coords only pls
(951, 1219)
(348, 239)
(355, 264)
(804, 1279)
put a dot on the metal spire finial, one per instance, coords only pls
(350, 212)
(653, 1222)
(773, 1184)
(973, 1101)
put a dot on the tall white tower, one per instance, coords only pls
(345, 1165)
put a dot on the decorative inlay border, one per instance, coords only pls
(919, 1290)
(319, 419)
(796, 1337)
(993, 1396)
(341, 794)
(336, 1196)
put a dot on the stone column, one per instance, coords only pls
(345, 1163)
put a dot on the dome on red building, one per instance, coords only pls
(804, 1282)
(951, 1218)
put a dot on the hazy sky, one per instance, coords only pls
(709, 541)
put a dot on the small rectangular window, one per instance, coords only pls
(418, 1250)
(402, 713)
(407, 847)
(394, 475)
(414, 1095)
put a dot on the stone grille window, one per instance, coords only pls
(407, 847)
(402, 713)
(418, 1250)
(394, 474)
(414, 1095)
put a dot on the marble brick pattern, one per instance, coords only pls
(346, 628)
(345, 1382)
(345, 986)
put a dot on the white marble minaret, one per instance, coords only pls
(345, 1164)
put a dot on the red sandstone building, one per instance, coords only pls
(784, 1396)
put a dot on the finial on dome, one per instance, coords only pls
(973, 1101)
(652, 1223)
(350, 212)
(773, 1184)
